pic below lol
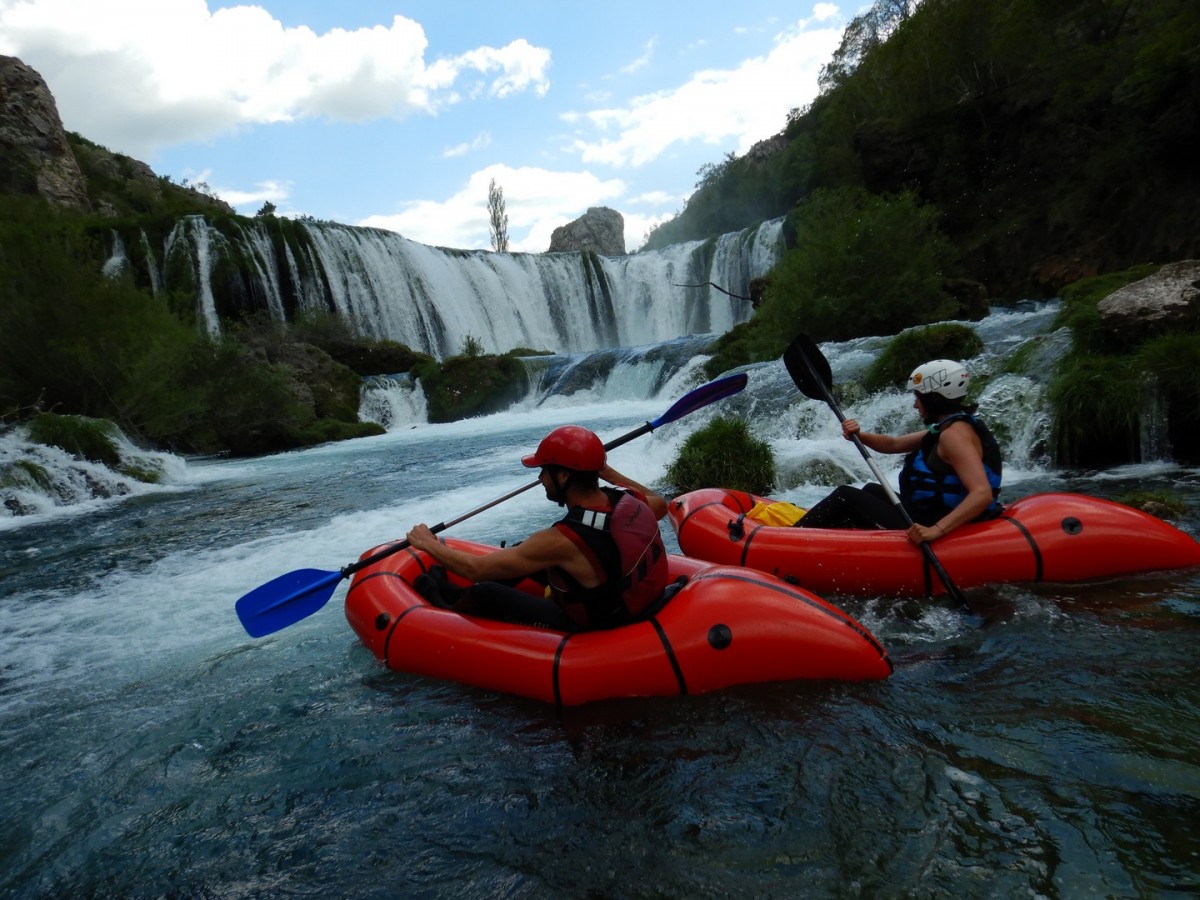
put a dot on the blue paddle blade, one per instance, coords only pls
(286, 600)
(702, 396)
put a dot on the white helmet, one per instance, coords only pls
(941, 376)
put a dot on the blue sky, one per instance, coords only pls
(399, 114)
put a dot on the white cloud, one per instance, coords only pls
(521, 66)
(537, 201)
(637, 227)
(748, 103)
(481, 142)
(141, 75)
(275, 191)
(642, 61)
(654, 198)
(823, 12)
(137, 75)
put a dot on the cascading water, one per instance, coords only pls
(392, 401)
(804, 435)
(432, 299)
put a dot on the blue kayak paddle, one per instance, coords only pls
(285, 600)
(810, 370)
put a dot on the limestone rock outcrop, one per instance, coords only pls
(35, 156)
(600, 230)
(1169, 299)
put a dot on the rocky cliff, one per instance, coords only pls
(35, 156)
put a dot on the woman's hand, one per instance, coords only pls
(923, 534)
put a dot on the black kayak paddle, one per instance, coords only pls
(810, 370)
(285, 600)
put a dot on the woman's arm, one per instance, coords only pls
(882, 443)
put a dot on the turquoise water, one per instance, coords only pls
(1046, 746)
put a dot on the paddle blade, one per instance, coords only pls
(809, 368)
(285, 600)
(702, 396)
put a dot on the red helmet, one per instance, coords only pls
(569, 446)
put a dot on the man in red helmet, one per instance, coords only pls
(604, 561)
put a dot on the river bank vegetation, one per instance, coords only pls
(961, 153)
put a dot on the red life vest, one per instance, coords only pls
(623, 544)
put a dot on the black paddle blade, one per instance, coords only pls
(809, 368)
(285, 600)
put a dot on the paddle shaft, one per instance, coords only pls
(442, 526)
(287, 599)
(930, 556)
(349, 570)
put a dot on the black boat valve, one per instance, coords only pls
(737, 530)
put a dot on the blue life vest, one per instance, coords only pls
(625, 545)
(929, 486)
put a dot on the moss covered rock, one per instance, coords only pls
(92, 439)
(466, 386)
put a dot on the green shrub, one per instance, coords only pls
(739, 346)
(144, 470)
(861, 265)
(1096, 402)
(471, 347)
(1079, 311)
(724, 454)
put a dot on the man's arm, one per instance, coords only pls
(537, 552)
(656, 503)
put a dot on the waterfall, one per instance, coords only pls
(1153, 432)
(189, 256)
(118, 260)
(432, 299)
(392, 401)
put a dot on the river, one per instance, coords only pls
(1046, 746)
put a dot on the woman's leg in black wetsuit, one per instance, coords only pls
(851, 507)
(882, 511)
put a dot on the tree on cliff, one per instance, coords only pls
(498, 217)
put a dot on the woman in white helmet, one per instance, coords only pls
(952, 473)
